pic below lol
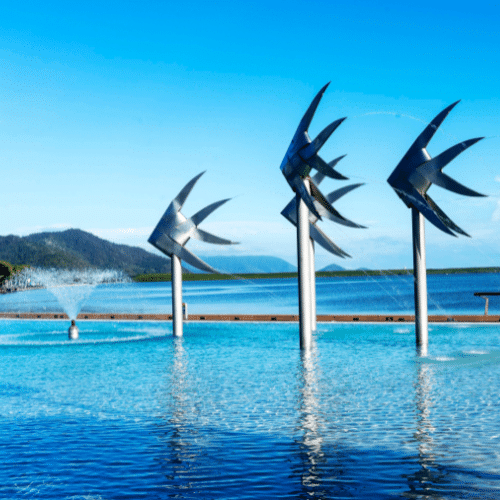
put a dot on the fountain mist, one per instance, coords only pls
(71, 287)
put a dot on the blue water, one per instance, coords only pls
(234, 411)
(453, 294)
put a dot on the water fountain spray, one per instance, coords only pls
(316, 235)
(71, 287)
(170, 237)
(411, 179)
(300, 158)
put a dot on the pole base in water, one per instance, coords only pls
(73, 332)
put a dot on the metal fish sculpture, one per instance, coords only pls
(174, 230)
(417, 171)
(302, 156)
(290, 213)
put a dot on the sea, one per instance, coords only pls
(237, 410)
(387, 293)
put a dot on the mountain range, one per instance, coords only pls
(79, 249)
(333, 267)
(246, 264)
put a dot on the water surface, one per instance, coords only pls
(237, 411)
(388, 294)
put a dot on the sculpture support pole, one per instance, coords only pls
(420, 280)
(312, 268)
(177, 295)
(303, 261)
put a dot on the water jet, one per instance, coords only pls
(71, 287)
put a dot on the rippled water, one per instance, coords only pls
(237, 411)
(453, 294)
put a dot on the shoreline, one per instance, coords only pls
(166, 277)
(264, 318)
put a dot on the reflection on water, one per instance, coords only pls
(309, 423)
(238, 411)
(179, 457)
(422, 482)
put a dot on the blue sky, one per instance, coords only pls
(107, 109)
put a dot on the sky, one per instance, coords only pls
(107, 109)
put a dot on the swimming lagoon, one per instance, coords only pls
(238, 411)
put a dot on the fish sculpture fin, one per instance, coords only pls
(321, 199)
(432, 170)
(322, 239)
(424, 138)
(207, 237)
(202, 214)
(307, 198)
(179, 200)
(314, 147)
(444, 218)
(426, 208)
(334, 162)
(309, 114)
(191, 259)
(320, 165)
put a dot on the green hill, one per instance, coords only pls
(17, 250)
(78, 249)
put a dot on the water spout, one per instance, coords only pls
(73, 332)
(71, 287)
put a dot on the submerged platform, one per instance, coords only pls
(341, 318)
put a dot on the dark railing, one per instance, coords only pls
(486, 297)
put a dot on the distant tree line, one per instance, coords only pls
(6, 271)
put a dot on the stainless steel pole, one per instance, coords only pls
(312, 268)
(177, 295)
(420, 280)
(303, 260)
